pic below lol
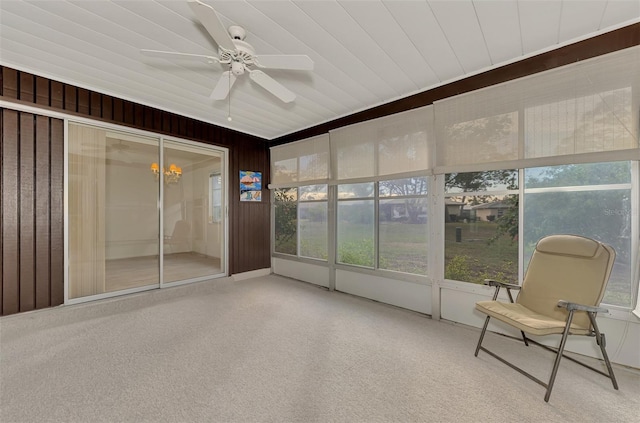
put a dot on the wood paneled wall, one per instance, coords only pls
(252, 223)
(31, 248)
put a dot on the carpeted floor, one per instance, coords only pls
(271, 349)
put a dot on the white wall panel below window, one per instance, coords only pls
(409, 295)
(315, 274)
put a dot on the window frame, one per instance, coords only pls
(634, 187)
(213, 216)
(298, 231)
(298, 201)
(373, 199)
(489, 191)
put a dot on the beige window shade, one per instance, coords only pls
(585, 108)
(589, 123)
(390, 145)
(87, 208)
(300, 163)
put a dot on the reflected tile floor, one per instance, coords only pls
(135, 272)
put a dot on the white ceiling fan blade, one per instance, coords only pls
(270, 84)
(284, 61)
(210, 20)
(168, 54)
(226, 81)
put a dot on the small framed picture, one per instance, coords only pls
(250, 185)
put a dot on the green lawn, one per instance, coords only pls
(475, 258)
(403, 248)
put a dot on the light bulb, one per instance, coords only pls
(229, 118)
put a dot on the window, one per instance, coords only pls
(312, 221)
(481, 226)
(356, 214)
(592, 200)
(400, 242)
(286, 220)
(576, 114)
(301, 221)
(299, 175)
(215, 198)
(402, 225)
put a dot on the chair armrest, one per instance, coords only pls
(581, 307)
(493, 282)
(498, 285)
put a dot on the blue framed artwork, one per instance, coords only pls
(250, 185)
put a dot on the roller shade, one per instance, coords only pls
(391, 145)
(299, 163)
(589, 107)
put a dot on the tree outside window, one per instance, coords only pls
(286, 221)
(481, 226)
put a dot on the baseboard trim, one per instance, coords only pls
(251, 274)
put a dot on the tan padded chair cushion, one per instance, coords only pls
(568, 245)
(566, 267)
(526, 320)
(563, 267)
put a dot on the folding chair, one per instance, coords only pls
(560, 294)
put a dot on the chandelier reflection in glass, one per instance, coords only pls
(171, 175)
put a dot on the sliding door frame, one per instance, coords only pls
(224, 152)
(224, 171)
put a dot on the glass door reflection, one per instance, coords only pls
(113, 212)
(193, 218)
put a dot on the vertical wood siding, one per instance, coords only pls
(31, 247)
(31, 181)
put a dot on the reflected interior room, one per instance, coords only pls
(114, 187)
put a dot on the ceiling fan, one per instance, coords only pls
(239, 56)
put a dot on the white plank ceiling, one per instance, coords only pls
(366, 53)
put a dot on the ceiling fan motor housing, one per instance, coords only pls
(242, 55)
(237, 32)
(237, 68)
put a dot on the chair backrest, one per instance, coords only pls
(566, 267)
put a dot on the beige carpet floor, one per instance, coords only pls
(272, 349)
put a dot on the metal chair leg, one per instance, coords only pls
(486, 321)
(484, 329)
(556, 364)
(601, 341)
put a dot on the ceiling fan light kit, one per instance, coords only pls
(239, 56)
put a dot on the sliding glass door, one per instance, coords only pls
(113, 212)
(193, 218)
(115, 182)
